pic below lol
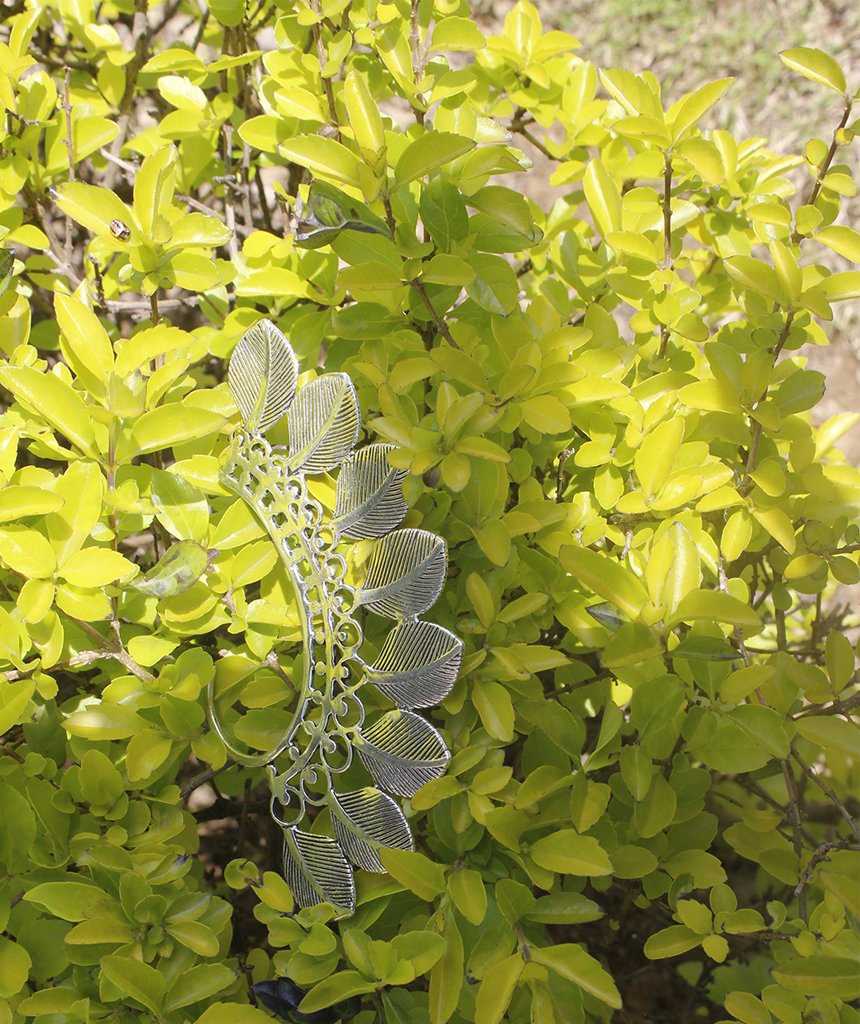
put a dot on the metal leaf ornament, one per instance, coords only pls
(419, 660)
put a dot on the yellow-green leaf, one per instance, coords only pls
(817, 66)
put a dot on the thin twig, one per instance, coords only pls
(819, 855)
(141, 35)
(326, 80)
(417, 59)
(822, 170)
(668, 262)
(229, 209)
(828, 792)
(563, 456)
(437, 319)
(196, 781)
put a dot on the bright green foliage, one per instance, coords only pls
(603, 406)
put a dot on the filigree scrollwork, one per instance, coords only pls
(418, 662)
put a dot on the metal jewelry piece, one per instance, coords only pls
(418, 662)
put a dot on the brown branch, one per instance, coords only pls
(441, 326)
(417, 59)
(563, 456)
(141, 35)
(828, 792)
(819, 855)
(187, 788)
(668, 262)
(822, 170)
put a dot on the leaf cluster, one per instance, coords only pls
(599, 400)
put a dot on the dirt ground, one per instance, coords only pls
(689, 42)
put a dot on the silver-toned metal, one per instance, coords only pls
(419, 660)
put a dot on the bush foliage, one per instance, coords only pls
(602, 404)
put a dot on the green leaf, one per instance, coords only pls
(70, 901)
(233, 1013)
(716, 606)
(26, 552)
(153, 190)
(198, 983)
(176, 571)
(606, 578)
(457, 34)
(568, 853)
(497, 989)
(104, 722)
(671, 941)
(88, 349)
(166, 426)
(335, 989)
(816, 65)
(820, 975)
(17, 829)
(181, 507)
(831, 733)
(415, 871)
(195, 936)
(468, 893)
(14, 701)
(443, 213)
(136, 979)
(841, 239)
(326, 158)
(54, 400)
(655, 458)
(690, 109)
(574, 964)
(494, 286)
(603, 198)
(15, 964)
(494, 705)
(147, 752)
(448, 975)
(95, 208)
(427, 152)
(841, 286)
(96, 567)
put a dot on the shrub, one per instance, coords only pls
(603, 407)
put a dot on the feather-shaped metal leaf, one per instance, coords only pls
(369, 494)
(402, 752)
(262, 376)
(324, 422)
(418, 664)
(365, 820)
(405, 574)
(317, 871)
